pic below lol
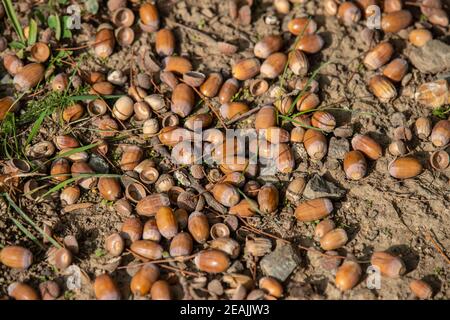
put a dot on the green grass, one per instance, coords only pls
(442, 112)
(12, 16)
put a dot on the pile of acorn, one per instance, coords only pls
(188, 209)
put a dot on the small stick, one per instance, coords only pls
(244, 115)
(438, 248)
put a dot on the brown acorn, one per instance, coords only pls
(212, 84)
(246, 69)
(131, 229)
(299, 26)
(390, 266)
(70, 195)
(29, 76)
(348, 275)
(40, 52)
(105, 288)
(12, 64)
(114, 244)
(212, 261)
(146, 249)
(405, 168)
(378, 56)
(60, 170)
(148, 13)
(22, 291)
(284, 160)
(62, 258)
(166, 222)
(273, 66)
(176, 64)
(298, 62)
(315, 144)
(171, 136)
(355, 165)
(131, 157)
(124, 36)
(433, 94)
(392, 6)
(421, 289)
(245, 208)
(143, 280)
(440, 135)
(268, 198)
(226, 194)
(268, 45)
(194, 78)
(149, 205)
(265, 118)
(233, 109)
(228, 245)
(310, 43)
(349, 13)
(271, 286)
(419, 37)
(276, 135)
(151, 231)
(181, 245)
(104, 42)
(323, 227)
(165, 42)
(396, 69)
(308, 101)
(395, 21)
(109, 188)
(16, 257)
(334, 239)
(49, 290)
(123, 108)
(228, 90)
(323, 120)
(6, 105)
(313, 209)
(183, 99)
(295, 189)
(73, 112)
(423, 127)
(160, 290)
(198, 226)
(368, 146)
(282, 6)
(60, 82)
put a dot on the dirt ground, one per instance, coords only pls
(378, 212)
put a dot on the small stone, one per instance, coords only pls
(433, 57)
(343, 131)
(338, 148)
(215, 287)
(281, 262)
(318, 187)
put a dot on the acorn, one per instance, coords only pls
(395, 21)
(168, 78)
(123, 17)
(423, 127)
(131, 157)
(282, 6)
(276, 135)
(437, 16)
(295, 189)
(29, 76)
(420, 37)
(271, 286)
(348, 275)
(228, 245)
(284, 160)
(349, 13)
(114, 244)
(124, 36)
(228, 90)
(297, 134)
(323, 120)
(392, 6)
(440, 160)
(22, 291)
(182, 100)
(16, 257)
(245, 208)
(177, 64)
(233, 109)
(313, 209)
(40, 52)
(105, 288)
(396, 69)
(310, 43)
(151, 231)
(421, 289)
(146, 249)
(160, 290)
(181, 245)
(62, 258)
(212, 84)
(226, 194)
(109, 188)
(390, 266)
(308, 101)
(198, 227)
(433, 94)
(258, 87)
(315, 144)
(166, 222)
(268, 198)
(212, 261)
(123, 207)
(165, 42)
(355, 165)
(149, 17)
(149, 205)
(6, 105)
(12, 64)
(330, 7)
(378, 56)
(164, 183)
(323, 227)
(70, 195)
(246, 69)
(60, 82)
(404, 168)
(203, 120)
(65, 141)
(123, 108)
(368, 146)
(182, 217)
(397, 148)
(334, 239)
(104, 42)
(143, 280)
(298, 62)
(60, 169)
(303, 26)
(268, 45)
(171, 136)
(273, 66)
(131, 229)
(49, 290)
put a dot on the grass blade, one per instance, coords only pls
(33, 32)
(11, 13)
(28, 219)
(92, 97)
(36, 126)
(76, 150)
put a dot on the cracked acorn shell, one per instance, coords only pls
(368, 146)
(390, 266)
(315, 209)
(405, 167)
(146, 249)
(245, 208)
(302, 25)
(273, 66)
(16, 257)
(395, 21)
(29, 76)
(268, 45)
(440, 160)
(228, 245)
(246, 69)
(114, 244)
(355, 165)
(348, 275)
(315, 143)
(334, 239)
(105, 288)
(131, 157)
(149, 205)
(440, 135)
(212, 261)
(198, 226)
(378, 56)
